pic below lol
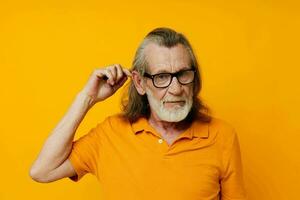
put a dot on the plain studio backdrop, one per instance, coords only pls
(249, 57)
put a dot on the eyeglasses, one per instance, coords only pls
(163, 80)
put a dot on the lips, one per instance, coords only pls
(180, 103)
(174, 101)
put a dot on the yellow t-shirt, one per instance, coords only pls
(132, 161)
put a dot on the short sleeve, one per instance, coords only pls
(232, 183)
(85, 153)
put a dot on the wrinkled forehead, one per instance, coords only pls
(164, 59)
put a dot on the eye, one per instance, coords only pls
(186, 76)
(162, 76)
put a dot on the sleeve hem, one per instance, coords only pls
(75, 163)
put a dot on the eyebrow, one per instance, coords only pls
(165, 71)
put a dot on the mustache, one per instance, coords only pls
(172, 99)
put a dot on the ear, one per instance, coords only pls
(138, 82)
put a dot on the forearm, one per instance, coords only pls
(59, 144)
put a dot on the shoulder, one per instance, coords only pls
(115, 122)
(117, 119)
(221, 125)
(224, 130)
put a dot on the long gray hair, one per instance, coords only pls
(135, 105)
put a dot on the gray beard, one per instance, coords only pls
(176, 114)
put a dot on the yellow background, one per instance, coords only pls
(248, 50)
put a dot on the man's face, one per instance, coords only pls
(173, 103)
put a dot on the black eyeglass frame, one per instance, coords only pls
(176, 74)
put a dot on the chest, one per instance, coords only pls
(191, 173)
(170, 138)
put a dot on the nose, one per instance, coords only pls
(175, 87)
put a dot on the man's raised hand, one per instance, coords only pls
(104, 82)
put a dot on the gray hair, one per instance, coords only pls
(135, 105)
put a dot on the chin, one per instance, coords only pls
(176, 115)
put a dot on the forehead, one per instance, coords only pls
(165, 59)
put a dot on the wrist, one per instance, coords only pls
(85, 98)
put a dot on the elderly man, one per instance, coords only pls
(164, 145)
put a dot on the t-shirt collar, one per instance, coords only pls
(197, 128)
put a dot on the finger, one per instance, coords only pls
(119, 73)
(120, 83)
(99, 73)
(127, 72)
(113, 71)
(109, 75)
